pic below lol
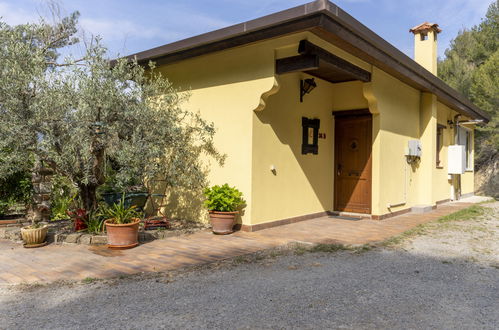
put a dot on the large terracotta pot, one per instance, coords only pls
(123, 236)
(34, 236)
(222, 222)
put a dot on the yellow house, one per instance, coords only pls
(318, 114)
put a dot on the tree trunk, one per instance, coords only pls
(88, 195)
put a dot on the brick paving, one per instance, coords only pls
(76, 262)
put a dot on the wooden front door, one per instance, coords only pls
(352, 184)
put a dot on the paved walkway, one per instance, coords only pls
(54, 262)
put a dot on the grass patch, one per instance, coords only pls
(442, 223)
(330, 248)
(88, 280)
(492, 200)
(465, 214)
(240, 260)
(301, 249)
(416, 231)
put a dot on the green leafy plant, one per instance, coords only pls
(78, 115)
(15, 189)
(63, 198)
(223, 198)
(61, 206)
(4, 207)
(118, 213)
(95, 222)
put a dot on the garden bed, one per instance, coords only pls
(61, 232)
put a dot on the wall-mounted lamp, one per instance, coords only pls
(306, 86)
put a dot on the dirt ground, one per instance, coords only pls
(475, 240)
(441, 275)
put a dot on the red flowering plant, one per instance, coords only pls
(79, 217)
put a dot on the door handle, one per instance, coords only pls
(339, 170)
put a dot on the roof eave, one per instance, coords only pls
(318, 16)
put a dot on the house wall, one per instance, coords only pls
(442, 184)
(229, 88)
(396, 109)
(302, 184)
(258, 120)
(402, 113)
(224, 88)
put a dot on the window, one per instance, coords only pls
(310, 139)
(440, 143)
(469, 152)
(465, 138)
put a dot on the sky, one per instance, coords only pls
(130, 26)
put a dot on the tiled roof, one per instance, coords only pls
(425, 27)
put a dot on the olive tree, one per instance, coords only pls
(78, 114)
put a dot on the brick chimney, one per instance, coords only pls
(425, 45)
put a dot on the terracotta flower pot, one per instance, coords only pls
(222, 222)
(123, 236)
(34, 236)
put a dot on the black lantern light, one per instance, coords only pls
(306, 86)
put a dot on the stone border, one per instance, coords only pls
(14, 234)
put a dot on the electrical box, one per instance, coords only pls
(413, 148)
(456, 159)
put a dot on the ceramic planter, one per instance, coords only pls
(124, 236)
(222, 223)
(34, 236)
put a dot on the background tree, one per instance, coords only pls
(77, 115)
(471, 66)
(27, 52)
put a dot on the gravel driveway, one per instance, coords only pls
(403, 288)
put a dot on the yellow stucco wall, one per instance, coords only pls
(302, 184)
(225, 88)
(441, 183)
(425, 51)
(394, 181)
(258, 121)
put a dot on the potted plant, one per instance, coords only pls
(122, 225)
(223, 203)
(34, 235)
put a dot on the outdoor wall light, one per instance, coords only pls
(306, 86)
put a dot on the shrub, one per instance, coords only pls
(4, 207)
(63, 198)
(95, 222)
(15, 189)
(223, 198)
